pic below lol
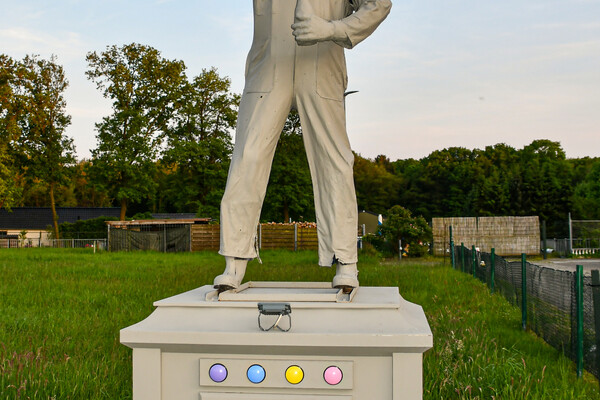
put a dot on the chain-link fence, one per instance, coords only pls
(584, 237)
(548, 299)
(164, 238)
(95, 244)
(84, 235)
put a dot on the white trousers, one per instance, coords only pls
(260, 121)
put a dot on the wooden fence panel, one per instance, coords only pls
(205, 237)
(307, 238)
(271, 236)
(277, 237)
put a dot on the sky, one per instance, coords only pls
(436, 74)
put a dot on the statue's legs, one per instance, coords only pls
(261, 119)
(331, 160)
(319, 97)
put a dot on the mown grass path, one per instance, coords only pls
(61, 312)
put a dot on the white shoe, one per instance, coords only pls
(346, 276)
(231, 278)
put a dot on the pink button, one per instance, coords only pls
(333, 375)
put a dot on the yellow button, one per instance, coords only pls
(294, 374)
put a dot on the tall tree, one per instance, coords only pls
(145, 89)
(586, 199)
(289, 193)
(86, 194)
(409, 193)
(447, 181)
(9, 189)
(377, 189)
(546, 184)
(497, 179)
(37, 119)
(9, 88)
(198, 148)
(49, 151)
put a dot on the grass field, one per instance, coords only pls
(61, 312)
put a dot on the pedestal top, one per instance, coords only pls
(302, 294)
(372, 320)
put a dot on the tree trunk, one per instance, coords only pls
(123, 209)
(286, 212)
(54, 214)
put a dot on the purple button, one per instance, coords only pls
(333, 375)
(218, 373)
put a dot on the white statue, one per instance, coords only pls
(297, 61)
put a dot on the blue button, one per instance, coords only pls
(256, 373)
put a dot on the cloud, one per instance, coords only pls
(27, 41)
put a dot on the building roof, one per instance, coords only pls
(40, 218)
(187, 221)
(173, 215)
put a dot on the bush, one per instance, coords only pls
(414, 232)
(142, 216)
(89, 229)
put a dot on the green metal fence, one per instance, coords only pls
(562, 307)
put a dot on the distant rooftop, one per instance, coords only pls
(39, 218)
(168, 221)
(174, 216)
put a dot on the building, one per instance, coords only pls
(35, 222)
(369, 220)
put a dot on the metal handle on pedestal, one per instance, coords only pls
(278, 309)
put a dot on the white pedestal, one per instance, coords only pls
(374, 337)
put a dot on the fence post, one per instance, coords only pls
(452, 261)
(493, 269)
(596, 303)
(462, 257)
(400, 250)
(579, 294)
(474, 261)
(544, 242)
(295, 237)
(359, 239)
(524, 291)
(570, 235)
(259, 236)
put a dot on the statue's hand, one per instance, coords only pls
(312, 29)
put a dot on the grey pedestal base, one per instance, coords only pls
(373, 336)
